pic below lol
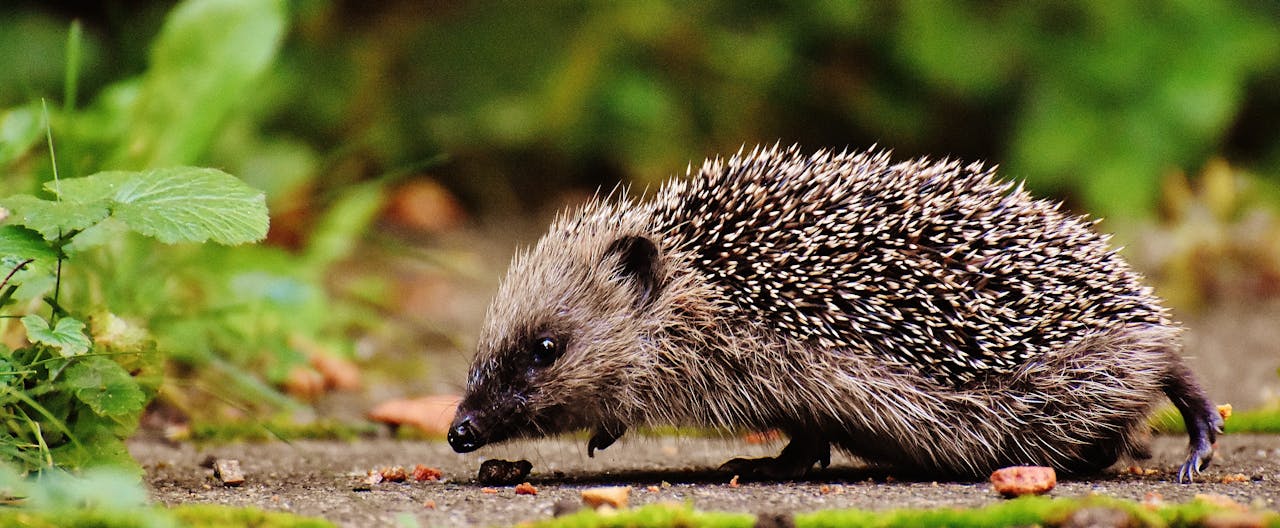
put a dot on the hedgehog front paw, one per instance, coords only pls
(793, 462)
(603, 438)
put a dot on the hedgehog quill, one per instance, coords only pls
(924, 315)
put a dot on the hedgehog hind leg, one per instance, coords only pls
(795, 460)
(1200, 416)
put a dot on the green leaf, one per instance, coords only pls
(178, 204)
(206, 60)
(19, 131)
(67, 335)
(52, 219)
(337, 233)
(105, 387)
(22, 243)
(7, 371)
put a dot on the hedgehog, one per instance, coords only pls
(924, 315)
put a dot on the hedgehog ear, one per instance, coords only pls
(638, 263)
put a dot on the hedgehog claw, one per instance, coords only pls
(1201, 418)
(794, 461)
(1198, 459)
(603, 438)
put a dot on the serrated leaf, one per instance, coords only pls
(22, 243)
(105, 387)
(67, 335)
(179, 204)
(51, 218)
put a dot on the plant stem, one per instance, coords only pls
(72, 74)
(57, 189)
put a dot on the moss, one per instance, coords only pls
(654, 515)
(200, 515)
(1027, 511)
(195, 516)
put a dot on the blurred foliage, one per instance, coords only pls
(1218, 239)
(228, 320)
(1263, 420)
(1094, 101)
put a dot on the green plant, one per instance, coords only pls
(73, 394)
(113, 498)
(224, 322)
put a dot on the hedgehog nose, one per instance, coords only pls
(464, 436)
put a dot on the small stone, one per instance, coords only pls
(421, 473)
(1017, 481)
(496, 472)
(615, 496)
(394, 474)
(228, 471)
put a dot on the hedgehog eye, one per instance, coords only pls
(544, 351)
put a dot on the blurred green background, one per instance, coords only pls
(406, 147)
(1091, 101)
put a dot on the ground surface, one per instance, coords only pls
(319, 479)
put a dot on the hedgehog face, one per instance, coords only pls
(561, 341)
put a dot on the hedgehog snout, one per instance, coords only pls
(464, 434)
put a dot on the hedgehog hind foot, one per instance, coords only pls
(795, 460)
(1200, 417)
(1207, 424)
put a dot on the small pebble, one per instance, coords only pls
(228, 471)
(1017, 481)
(496, 472)
(421, 473)
(615, 496)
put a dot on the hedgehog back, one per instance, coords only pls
(929, 266)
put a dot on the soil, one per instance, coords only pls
(324, 479)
